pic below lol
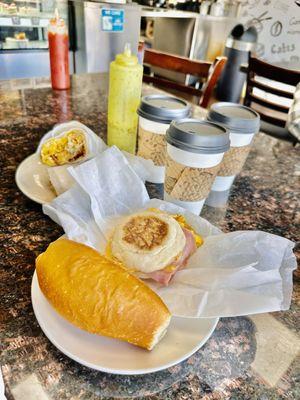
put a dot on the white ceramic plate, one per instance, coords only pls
(184, 337)
(33, 180)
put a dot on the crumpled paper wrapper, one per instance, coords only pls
(59, 176)
(231, 274)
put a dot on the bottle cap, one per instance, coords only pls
(56, 22)
(126, 58)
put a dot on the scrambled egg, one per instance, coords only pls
(182, 222)
(170, 268)
(64, 149)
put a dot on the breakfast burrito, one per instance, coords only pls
(67, 144)
(69, 147)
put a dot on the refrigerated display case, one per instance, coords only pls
(101, 30)
(23, 36)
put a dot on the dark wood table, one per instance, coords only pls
(251, 357)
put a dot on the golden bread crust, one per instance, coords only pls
(99, 295)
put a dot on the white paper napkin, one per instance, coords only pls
(231, 274)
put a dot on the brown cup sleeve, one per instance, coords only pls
(186, 183)
(152, 146)
(234, 160)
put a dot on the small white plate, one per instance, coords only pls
(33, 180)
(184, 337)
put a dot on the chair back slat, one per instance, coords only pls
(266, 70)
(172, 85)
(269, 89)
(270, 118)
(268, 104)
(177, 63)
(258, 68)
(204, 70)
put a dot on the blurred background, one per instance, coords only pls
(194, 29)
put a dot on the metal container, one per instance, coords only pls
(238, 47)
(199, 37)
(102, 30)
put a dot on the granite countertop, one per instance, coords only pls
(246, 358)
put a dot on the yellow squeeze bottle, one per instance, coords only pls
(125, 86)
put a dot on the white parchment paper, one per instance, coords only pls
(237, 273)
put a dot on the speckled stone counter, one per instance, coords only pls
(246, 358)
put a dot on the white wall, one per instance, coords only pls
(278, 25)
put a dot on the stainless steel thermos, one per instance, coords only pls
(239, 44)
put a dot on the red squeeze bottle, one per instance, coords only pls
(59, 53)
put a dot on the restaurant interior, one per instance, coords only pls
(150, 186)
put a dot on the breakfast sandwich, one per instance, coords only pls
(154, 244)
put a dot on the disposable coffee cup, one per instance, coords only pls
(217, 199)
(195, 149)
(155, 115)
(242, 123)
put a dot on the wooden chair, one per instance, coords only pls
(273, 113)
(204, 71)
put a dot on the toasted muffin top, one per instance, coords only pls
(148, 241)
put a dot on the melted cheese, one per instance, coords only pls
(170, 268)
(182, 222)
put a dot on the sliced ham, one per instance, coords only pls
(164, 276)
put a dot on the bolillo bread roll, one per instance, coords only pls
(99, 295)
